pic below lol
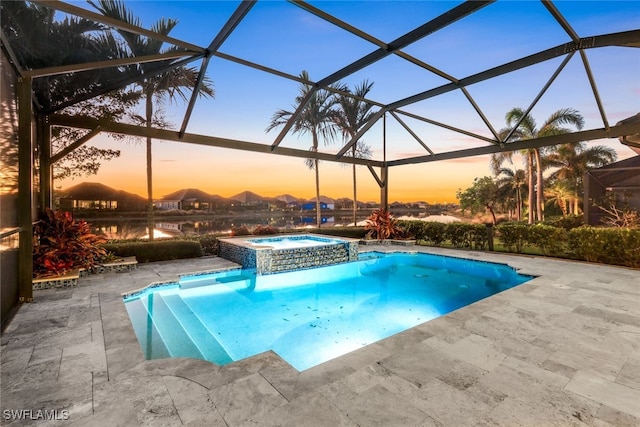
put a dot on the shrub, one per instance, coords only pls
(208, 242)
(412, 228)
(550, 240)
(161, 250)
(62, 244)
(462, 235)
(350, 232)
(262, 230)
(435, 232)
(240, 231)
(620, 246)
(382, 225)
(514, 236)
(568, 222)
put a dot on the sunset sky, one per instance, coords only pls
(280, 35)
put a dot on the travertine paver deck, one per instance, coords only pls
(562, 349)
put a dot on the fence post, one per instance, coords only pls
(490, 235)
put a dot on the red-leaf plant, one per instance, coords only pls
(382, 225)
(61, 243)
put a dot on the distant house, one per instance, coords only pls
(309, 206)
(325, 203)
(621, 178)
(252, 200)
(96, 196)
(190, 199)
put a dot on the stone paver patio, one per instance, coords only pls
(560, 350)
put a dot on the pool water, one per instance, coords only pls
(309, 316)
(304, 241)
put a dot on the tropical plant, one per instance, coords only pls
(240, 230)
(352, 113)
(48, 42)
(511, 183)
(573, 161)
(482, 195)
(382, 225)
(176, 82)
(316, 119)
(522, 126)
(62, 244)
(262, 230)
(561, 195)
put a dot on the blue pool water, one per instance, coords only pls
(308, 316)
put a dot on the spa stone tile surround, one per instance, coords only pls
(267, 260)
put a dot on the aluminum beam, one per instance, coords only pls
(68, 149)
(411, 132)
(594, 88)
(25, 190)
(587, 135)
(76, 68)
(119, 85)
(84, 13)
(240, 12)
(405, 40)
(564, 62)
(561, 20)
(445, 126)
(627, 38)
(10, 53)
(371, 39)
(480, 113)
(211, 141)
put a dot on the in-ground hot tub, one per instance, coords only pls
(287, 252)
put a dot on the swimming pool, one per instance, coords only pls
(308, 316)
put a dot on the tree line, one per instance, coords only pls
(567, 164)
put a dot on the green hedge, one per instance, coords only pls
(620, 246)
(616, 246)
(350, 232)
(458, 234)
(161, 250)
(514, 236)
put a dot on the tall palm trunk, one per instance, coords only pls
(355, 198)
(539, 185)
(519, 203)
(576, 200)
(150, 212)
(316, 163)
(531, 198)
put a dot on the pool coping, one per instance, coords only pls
(469, 355)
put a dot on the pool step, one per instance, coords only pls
(175, 337)
(199, 334)
(152, 344)
(236, 278)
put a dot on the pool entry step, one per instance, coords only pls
(172, 329)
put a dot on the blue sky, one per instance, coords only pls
(280, 35)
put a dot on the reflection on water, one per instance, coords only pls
(136, 229)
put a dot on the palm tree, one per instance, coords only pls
(177, 82)
(351, 115)
(573, 160)
(527, 129)
(513, 181)
(47, 42)
(560, 194)
(316, 119)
